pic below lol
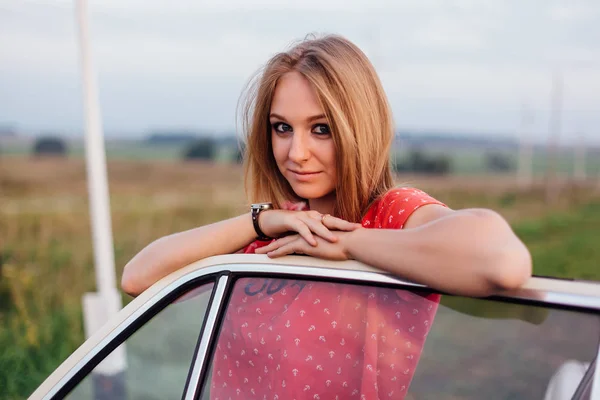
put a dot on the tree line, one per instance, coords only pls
(206, 148)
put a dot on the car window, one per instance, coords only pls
(319, 340)
(304, 339)
(489, 349)
(157, 356)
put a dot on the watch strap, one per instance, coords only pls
(260, 235)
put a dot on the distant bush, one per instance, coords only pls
(172, 138)
(498, 162)
(50, 146)
(417, 161)
(201, 149)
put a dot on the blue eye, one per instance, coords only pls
(321, 129)
(281, 127)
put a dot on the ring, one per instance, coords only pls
(323, 218)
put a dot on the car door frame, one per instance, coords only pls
(224, 271)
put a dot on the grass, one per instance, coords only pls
(46, 259)
(565, 245)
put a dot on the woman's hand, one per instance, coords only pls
(336, 251)
(308, 225)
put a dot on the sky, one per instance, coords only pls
(468, 66)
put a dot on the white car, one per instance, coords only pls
(539, 342)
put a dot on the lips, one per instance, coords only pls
(303, 172)
(304, 176)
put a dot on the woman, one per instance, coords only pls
(319, 131)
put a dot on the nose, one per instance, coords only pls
(299, 148)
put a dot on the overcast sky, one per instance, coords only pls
(466, 66)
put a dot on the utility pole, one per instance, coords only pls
(579, 162)
(108, 377)
(554, 128)
(525, 170)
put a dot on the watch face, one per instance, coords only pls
(261, 206)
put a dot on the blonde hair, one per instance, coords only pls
(356, 109)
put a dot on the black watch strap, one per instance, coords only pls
(260, 234)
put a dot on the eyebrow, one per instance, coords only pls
(309, 119)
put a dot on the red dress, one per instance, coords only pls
(292, 339)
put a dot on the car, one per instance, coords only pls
(538, 342)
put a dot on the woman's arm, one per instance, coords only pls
(469, 252)
(172, 252)
(175, 251)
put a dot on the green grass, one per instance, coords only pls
(565, 245)
(29, 356)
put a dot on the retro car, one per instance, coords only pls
(538, 342)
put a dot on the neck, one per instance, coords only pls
(324, 205)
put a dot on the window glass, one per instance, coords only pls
(488, 349)
(157, 356)
(286, 339)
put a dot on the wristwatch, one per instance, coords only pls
(256, 209)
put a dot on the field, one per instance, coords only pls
(46, 259)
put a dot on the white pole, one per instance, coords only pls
(525, 170)
(579, 170)
(554, 129)
(100, 306)
(96, 164)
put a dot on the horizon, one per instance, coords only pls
(428, 135)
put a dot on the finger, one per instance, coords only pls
(314, 215)
(320, 230)
(339, 224)
(298, 246)
(276, 244)
(301, 226)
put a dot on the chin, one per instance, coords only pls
(311, 193)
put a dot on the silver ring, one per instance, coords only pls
(323, 218)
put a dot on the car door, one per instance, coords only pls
(249, 327)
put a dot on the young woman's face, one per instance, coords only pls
(301, 138)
